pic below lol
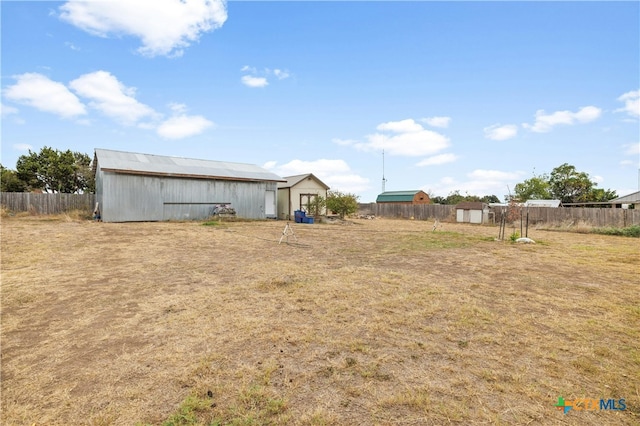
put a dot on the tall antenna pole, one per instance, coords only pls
(383, 179)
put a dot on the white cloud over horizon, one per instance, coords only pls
(165, 27)
(442, 122)
(546, 122)
(499, 132)
(256, 78)
(106, 94)
(6, 110)
(479, 182)
(407, 138)
(251, 81)
(437, 160)
(631, 103)
(182, 126)
(44, 94)
(111, 97)
(335, 173)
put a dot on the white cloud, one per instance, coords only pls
(442, 122)
(597, 179)
(6, 110)
(402, 126)
(335, 173)
(165, 27)
(111, 97)
(545, 122)
(498, 132)
(438, 159)
(632, 148)
(344, 142)
(256, 78)
(408, 139)
(281, 74)
(631, 103)
(72, 46)
(251, 81)
(22, 147)
(626, 163)
(38, 91)
(183, 126)
(479, 182)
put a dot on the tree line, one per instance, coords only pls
(50, 170)
(564, 183)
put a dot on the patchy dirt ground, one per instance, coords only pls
(373, 322)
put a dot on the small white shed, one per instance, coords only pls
(472, 212)
(297, 192)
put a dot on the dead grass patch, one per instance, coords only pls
(385, 322)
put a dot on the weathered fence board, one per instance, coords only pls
(46, 203)
(599, 217)
(417, 211)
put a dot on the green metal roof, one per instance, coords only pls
(396, 196)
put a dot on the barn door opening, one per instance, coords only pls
(270, 203)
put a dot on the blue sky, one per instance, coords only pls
(467, 96)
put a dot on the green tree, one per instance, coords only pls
(341, 203)
(490, 199)
(569, 185)
(10, 182)
(602, 195)
(56, 171)
(536, 188)
(315, 205)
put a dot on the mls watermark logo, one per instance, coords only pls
(590, 404)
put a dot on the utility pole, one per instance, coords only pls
(384, 181)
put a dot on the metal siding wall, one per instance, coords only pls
(195, 197)
(130, 198)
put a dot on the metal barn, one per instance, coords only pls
(143, 187)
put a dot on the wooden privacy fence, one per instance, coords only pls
(599, 217)
(46, 203)
(417, 211)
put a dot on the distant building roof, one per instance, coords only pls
(159, 165)
(632, 198)
(470, 205)
(542, 203)
(290, 181)
(397, 196)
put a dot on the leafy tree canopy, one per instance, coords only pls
(56, 171)
(10, 182)
(536, 188)
(341, 203)
(455, 197)
(564, 183)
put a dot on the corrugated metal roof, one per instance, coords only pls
(542, 203)
(634, 197)
(158, 165)
(397, 196)
(294, 180)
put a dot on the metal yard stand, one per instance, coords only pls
(288, 230)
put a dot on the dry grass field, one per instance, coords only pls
(374, 322)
